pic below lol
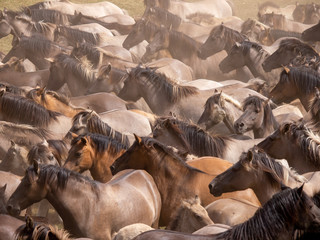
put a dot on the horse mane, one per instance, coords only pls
(315, 111)
(38, 43)
(48, 15)
(277, 170)
(308, 142)
(101, 143)
(24, 110)
(271, 219)
(298, 47)
(33, 93)
(50, 174)
(79, 67)
(79, 36)
(247, 45)
(96, 125)
(58, 149)
(214, 99)
(258, 104)
(201, 142)
(40, 231)
(159, 81)
(35, 150)
(39, 27)
(304, 78)
(164, 17)
(89, 50)
(166, 151)
(229, 33)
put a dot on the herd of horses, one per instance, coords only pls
(186, 123)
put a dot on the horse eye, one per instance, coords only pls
(77, 154)
(51, 158)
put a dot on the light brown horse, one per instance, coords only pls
(100, 204)
(296, 143)
(94, 152)
(190, 216)
(163, 164)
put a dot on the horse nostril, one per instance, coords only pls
(112, 168)
(241, 125)
(210, 186)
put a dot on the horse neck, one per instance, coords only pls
(100, 169)
(254, 60)
(37, 60)
(269, 125)
(153, 96)
(232, 113)
(305, 98)
(63, 201)
(61, 107)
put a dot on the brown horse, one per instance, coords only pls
(296, 143)
(8, 226)
(257, 116)
(296, 82)
(190, 138)
(292, 51)
(94, 152)
(163, 164)
(256, 170)
(100, 204)
(286, 212)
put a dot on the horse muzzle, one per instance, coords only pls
(214, 190)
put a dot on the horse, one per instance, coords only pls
(219, 9)
(288, 51)
(230, 211)
(67, 36)
(94, 152)
(35, 48)
(252, 28)
(117, 124)
(286, 212)
(257, 116)
(221, 107)
(99, 9)
(48, 15)
(220, 38)
(279, 21)
(163, 164)
(131, 231)
(61, 187)
(22, 110)
(53, 101)
(252, 55)
(269, 36)
(296, 82)
(8, 226)
(296, 143)
(311, 34)
(190, 216)
(254, 170)
(22, 24)
(78, 74)
(188, 137)
(306, 13)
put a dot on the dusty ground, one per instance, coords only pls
(243, 9)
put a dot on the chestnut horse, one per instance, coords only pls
(167, 167)
(286, 212)
(94, 152)
(105, 208)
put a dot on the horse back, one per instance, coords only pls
(210, 165)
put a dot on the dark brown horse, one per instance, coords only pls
(164, 164)
(104, 206)
(286, 212)
(94, 152)
(311, 34)
(291, 51)
(296, 82)
(296, 143)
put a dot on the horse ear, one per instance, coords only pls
(2, 92)
(300, 189)
(317, 93)
(238, 44)
(285, 128)
(12, 143)
(29, 223)
(104, 71)
(36, 166)
(250, 155)
(28, 11)
(84, 140)
(49, 59)
(286, 69)
(73, 135)
(3, 189)
(138, 139)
